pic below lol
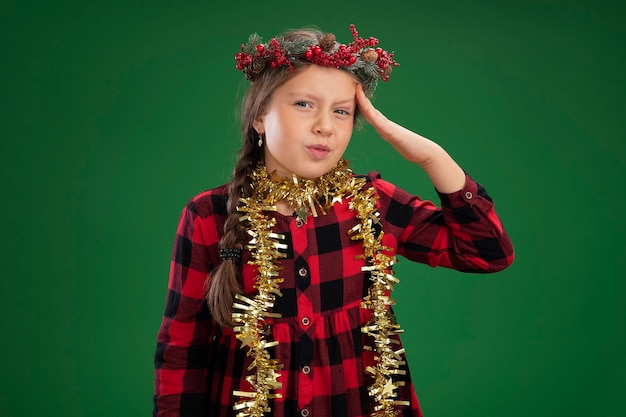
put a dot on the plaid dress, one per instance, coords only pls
(199, 364)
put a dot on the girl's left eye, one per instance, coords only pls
(342, 112)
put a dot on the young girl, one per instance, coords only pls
(279, 292)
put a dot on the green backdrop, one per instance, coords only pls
(114, 113)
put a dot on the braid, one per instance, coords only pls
(224, 283)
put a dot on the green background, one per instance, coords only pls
(114, 113)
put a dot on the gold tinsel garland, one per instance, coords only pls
(251, 326)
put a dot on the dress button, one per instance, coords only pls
(299, 222)
(305, 412)
(306, 369)
(306, 321)
(303, 272)
(469, 195)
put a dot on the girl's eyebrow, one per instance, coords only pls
(347, 101)
(301, 94)
(308, 95)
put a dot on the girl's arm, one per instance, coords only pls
(183, 339)
(446, 175)
(465, 233)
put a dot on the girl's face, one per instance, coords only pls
(308, 122)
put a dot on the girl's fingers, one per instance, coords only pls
(365, 106)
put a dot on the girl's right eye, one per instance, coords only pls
(302, 104)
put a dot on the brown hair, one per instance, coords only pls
(223, 283)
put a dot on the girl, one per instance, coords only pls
(279, 292)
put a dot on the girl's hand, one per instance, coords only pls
(445, 174)
(410, 145)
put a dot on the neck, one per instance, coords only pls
(284, 208)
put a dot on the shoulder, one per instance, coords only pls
(385, 191)
(392, 198)
(385, 188)
(209, 202)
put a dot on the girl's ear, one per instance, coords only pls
(258, 125)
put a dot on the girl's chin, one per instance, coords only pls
(308, 171)
(316, 171)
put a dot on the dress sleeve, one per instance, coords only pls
(465, 233)
(181, 356)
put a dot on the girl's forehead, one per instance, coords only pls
(320, 80)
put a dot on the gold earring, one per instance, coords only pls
(260, 142)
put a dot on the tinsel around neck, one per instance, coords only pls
(252, 315)
(339, 182)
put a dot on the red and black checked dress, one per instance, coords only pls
(198, 364)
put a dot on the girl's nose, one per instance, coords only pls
(323, 124)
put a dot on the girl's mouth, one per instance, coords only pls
(318, 151)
